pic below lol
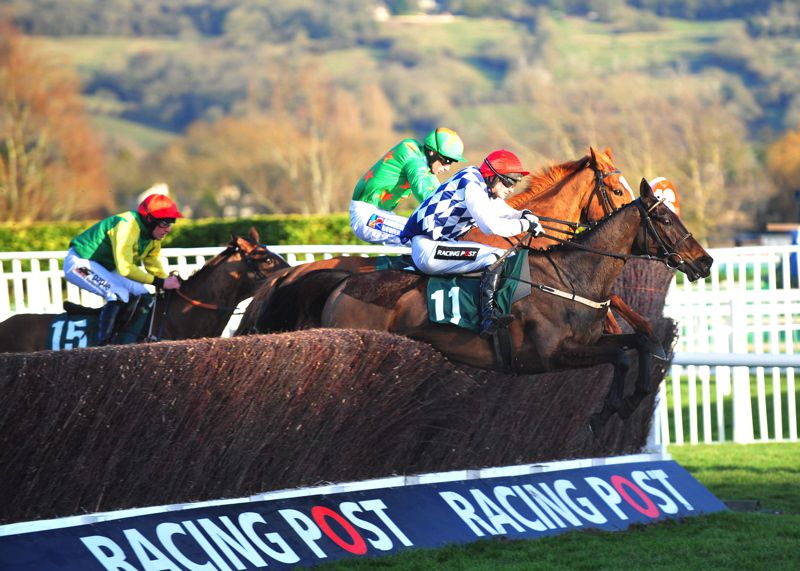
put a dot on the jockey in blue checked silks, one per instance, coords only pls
(474, 196)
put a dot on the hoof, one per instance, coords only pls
(596, 424)
(657, 351)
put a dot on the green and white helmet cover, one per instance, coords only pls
(445, 142)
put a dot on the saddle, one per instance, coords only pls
(455, 299)
(77, 309)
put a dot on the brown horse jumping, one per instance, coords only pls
(575, 192)
(201, 308)
(549, 332)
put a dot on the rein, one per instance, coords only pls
(200, 304)
(665, 255)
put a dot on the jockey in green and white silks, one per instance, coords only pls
(410, 167)
(474, 196)
(106, 258)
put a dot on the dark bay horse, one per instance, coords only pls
(201, 308)
(580, 191)
(549, 332)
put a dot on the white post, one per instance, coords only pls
(742, 412)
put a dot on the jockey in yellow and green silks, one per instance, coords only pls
(106, 258)
(410, 167)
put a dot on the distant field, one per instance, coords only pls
(141, 136)
(471, 55)
(89, 54)
(588, 46)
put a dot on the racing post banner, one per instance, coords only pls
(310, 529)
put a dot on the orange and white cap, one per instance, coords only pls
(665, 190)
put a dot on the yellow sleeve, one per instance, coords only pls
(123, 237)
(152, 260)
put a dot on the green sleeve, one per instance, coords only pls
(421, 180)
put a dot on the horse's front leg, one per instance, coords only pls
(638, 322)
(643, 379)
(611, 349)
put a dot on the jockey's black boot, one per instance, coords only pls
(491, 318)
(133, 318)
(106, 321)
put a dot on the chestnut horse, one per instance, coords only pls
(201, 308)
(560, 324)
(568, 194)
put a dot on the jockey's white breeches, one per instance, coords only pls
(93, 277)
(437, 257)
(374, 225)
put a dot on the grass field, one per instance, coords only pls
(767, 539)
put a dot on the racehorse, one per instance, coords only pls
(580, 191)
(553, 329)
(200, 308)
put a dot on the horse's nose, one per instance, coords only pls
(699, 268)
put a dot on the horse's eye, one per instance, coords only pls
(617, 191)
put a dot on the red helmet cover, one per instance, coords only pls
(504, 162)
(158, 206)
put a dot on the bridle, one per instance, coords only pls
(253, 265)
(664, 252)
(601, 188)
(600, 191)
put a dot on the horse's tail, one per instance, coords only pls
(298, 304)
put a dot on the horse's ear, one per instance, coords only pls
(607, 151)
(593, 154)
(646, 191)
(254, 235)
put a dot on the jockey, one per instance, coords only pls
(474, 196)
(410, 167)
(106, 258)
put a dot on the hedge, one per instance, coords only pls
(273, 230)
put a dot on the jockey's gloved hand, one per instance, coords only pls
(534, 226)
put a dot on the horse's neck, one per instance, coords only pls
(219, 287)
(595, 273)
(565, 200)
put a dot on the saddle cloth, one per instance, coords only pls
(455, 299)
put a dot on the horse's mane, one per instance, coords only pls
(593, 227)
(209, 266)
(548, 179)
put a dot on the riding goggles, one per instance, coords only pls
(508, 180)
(446, 160)
(165, 223)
